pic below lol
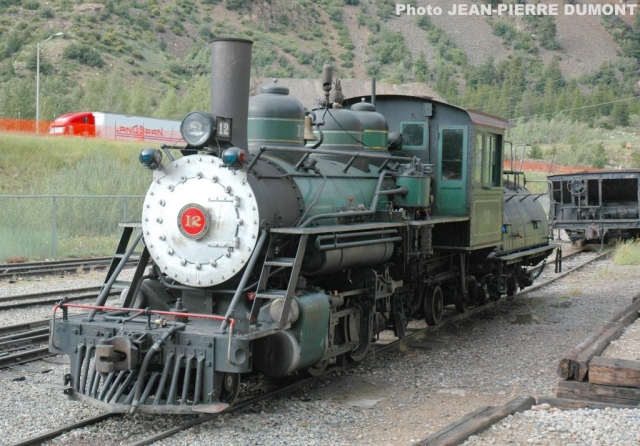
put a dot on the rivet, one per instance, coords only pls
(253, 236)
(249, 194)
(186, 279)
(148, 206)
(249, 249)
(253, 208)
(222, 277)
(162, 237)
(170, 251)
(170, 188)
(148, 232)
(215, 178)
(151, 246)
(227, 189)
(175, 165)
(198, 266)
(162, 202)
(239, 222)
(159, 219)
(199, 158)
(199, 175)
(213, 263)
(183, 262)
(151, 192)
(227, 254)
(188, 160)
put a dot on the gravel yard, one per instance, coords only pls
(396, 398)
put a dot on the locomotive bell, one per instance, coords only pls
(308, 130)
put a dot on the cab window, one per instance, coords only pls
(493, 160)
(452, 148)
(477, 158)
(413, 134)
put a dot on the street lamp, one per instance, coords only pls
(38, 46)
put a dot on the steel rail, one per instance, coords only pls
(24, 356)
(49, 301)
(50, 293)
(18, 328)
(10, 270)
(37, 441)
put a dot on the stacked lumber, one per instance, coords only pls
(585, 375)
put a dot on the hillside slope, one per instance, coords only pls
(161, 45)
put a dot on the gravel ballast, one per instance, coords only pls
(396, 398)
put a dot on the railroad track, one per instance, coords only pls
(29, 341)
(29, 269)
(413, 335)
(49, 297)
(24, 343)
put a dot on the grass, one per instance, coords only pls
(627, 253)
(37, 226)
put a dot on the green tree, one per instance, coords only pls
(420, 68)
(140, 101)
(599, 156)
(105, 93)
(168, 107)
(17, 98)
(46, 67)
(536, 152)
(620, 113)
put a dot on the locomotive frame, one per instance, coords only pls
(283, 240)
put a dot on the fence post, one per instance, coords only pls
(54, 235)
(124, 209)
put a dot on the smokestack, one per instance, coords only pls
(230, 83)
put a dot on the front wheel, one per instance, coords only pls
(229, 388)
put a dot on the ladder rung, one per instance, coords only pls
(271, 294)
(121, 284)
(280, 261)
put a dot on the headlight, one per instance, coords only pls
(198, 128)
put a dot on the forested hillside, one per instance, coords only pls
(150, 57)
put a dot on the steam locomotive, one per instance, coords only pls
(282, 240)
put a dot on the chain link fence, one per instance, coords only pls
(42, 227)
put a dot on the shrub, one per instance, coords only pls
(84, 54)
(31, 5)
